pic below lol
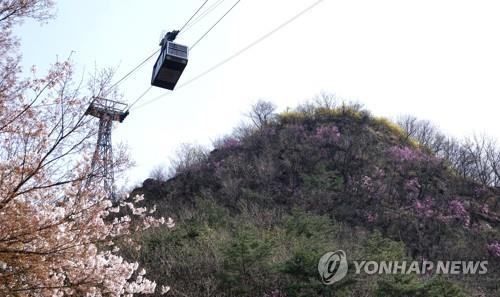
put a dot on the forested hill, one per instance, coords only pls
(256, 213)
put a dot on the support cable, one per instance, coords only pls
(196, 12)
(213, 26)
(133, 70)
(153, 54)
(140, 97)
(235, 55)
(203, 15)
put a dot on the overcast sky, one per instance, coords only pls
(438, 60)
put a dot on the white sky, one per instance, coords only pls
(438, 60)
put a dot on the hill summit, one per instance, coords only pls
(257, 212)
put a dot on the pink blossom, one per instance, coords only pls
(406, 154)
(412, 156)
(424, 207)
(412, 185)
(458, 210)
(494, 249)
(327, 134)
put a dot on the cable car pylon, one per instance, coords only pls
(102, 166)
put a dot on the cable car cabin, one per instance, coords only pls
(169, 65)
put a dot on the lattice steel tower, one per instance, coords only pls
(102, 168)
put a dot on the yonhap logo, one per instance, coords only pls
(332, 267)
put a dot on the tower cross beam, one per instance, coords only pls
(102, 167)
